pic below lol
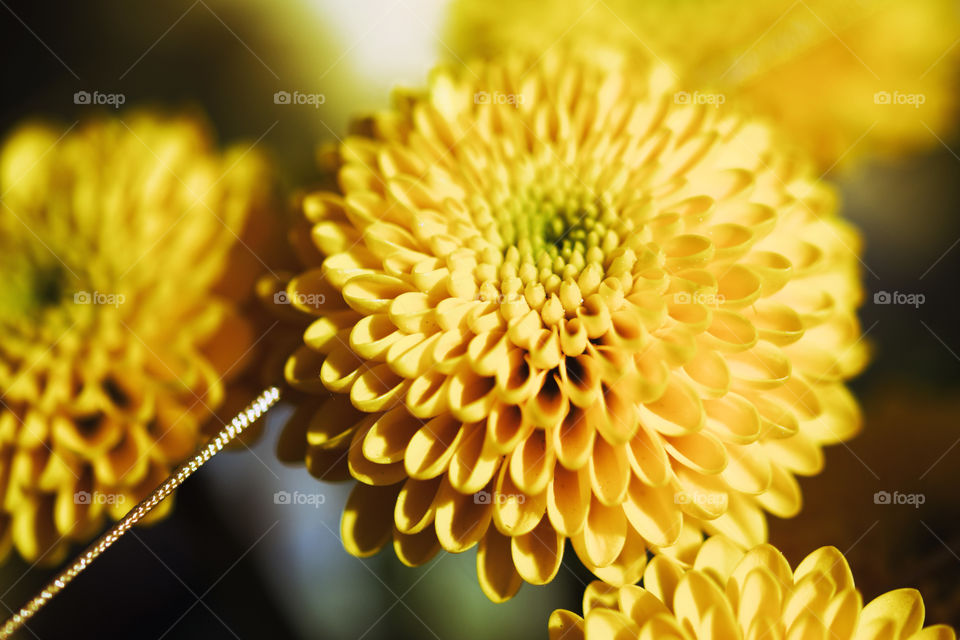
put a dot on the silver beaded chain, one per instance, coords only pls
(236, 426)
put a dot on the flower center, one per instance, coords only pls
(32, 286)
(557, 231)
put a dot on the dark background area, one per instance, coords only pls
(266, 572)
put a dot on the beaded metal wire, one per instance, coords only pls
(236, 426)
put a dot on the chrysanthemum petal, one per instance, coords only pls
(498, 576)
(461, 520)
(366, 525)
(728, 593)
(564, 625)
(538, 554)
(416, 549)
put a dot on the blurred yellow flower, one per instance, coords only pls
(731, 595)
(551, 302)
(843, 78)
(116, 239)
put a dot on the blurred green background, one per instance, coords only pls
(232, 563)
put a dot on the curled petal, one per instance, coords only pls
(461, 520)
(515, 512)
(341, 369)
(475, 461)
(487, 352)
(302, 370)
(609, 472)
(417, 549)
(411, 355)
(427, 395)
(604, 623)
(604, 535)
(749, 470)
(366, 525)
(648, 458)
(378, 389)
(700, 451)
(628, 567)
(537, 555)
(334, 328)
(416, 505)
(372, 293)
(432, 447)
(581, 379)
(653, 512)
(549, 407)
(387, 440)
(782, 497)
(412, 312)
(516, 379)
(573, 439)
(506, 427)
(573, 337)
(568, 501)
(677, 412)
(564, 625)
(498, 576)
(469, 395)
(709, 372)
(370, 338)
(532, 463)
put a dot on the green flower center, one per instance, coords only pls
(557, 230)
(34, 284)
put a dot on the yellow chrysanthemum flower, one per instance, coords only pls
(731, 595)
(551, 302)
(844, 78)
(116, 340)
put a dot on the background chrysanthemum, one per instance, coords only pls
(552, 302)
(843, 78)
(882, 506)
(728, 594)
(119, 318)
